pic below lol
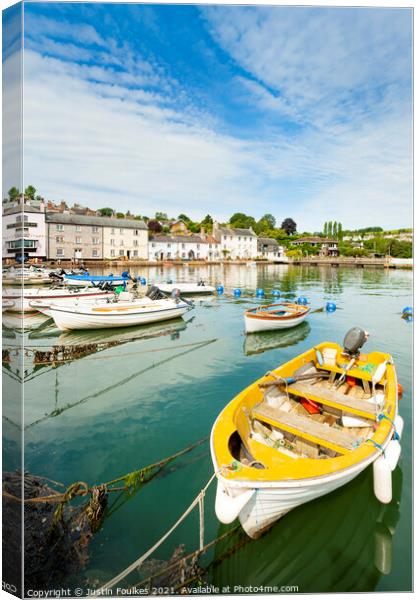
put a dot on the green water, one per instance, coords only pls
(132, 404)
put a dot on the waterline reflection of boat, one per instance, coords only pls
(283, 315)
(23, 321)
(297, 436)
(319, 545)
(256, 343)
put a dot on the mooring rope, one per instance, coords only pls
(139, 561)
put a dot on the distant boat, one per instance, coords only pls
(274, 316)
(294, 435)
(122, 313)
(186, 288)
(26, 275)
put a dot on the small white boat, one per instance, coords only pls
(186, 288)
(274, 316)
(7, 305)
(32, 299)
(121, 313)
(27, 276)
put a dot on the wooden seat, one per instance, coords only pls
(305, 427)
(331, 397)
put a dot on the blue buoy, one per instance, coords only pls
(276, 293)
(408, 310)
(220, 289)
(330, 306)
(409, 318)
(302, 300)
(237, 292)
(260, 292)
(143, 281)
(124, 274)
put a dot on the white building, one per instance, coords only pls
(236, 243)
(24, 232)
(178, 247)
(269, 249)
(125, 238)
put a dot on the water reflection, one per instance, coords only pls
(256, 343)
(329, 545)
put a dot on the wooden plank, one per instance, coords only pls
(321, 394)
(318, 433)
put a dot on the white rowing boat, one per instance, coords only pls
(274, 316)
(186, 288)
(122, 313)
(32, 299)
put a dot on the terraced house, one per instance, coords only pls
(79, 237)
(236, 243)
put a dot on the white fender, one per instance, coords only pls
(393, 452)
(399, 423)
(227, 508)
(382, 480)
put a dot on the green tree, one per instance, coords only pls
(161, 216)
(289, 225)
(325, 229)
(340, 234)
(30, 192)
(13, 193)
(335, 230)
(120, 215)
(207, 223)
(270, 219)
(243, 221)
(106, 212)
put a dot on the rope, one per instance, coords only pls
(384, 416)
(378, 446)
(139, 561)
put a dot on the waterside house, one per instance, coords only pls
(236, 243)
(24, 232)
(269, 249)
(81, 237)
(328, 247)
(179, 247)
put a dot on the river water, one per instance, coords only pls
(132, 404)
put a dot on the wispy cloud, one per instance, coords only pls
(113, 120)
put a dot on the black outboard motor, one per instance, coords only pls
(354, 340)
(154, 293)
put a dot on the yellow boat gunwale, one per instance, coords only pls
(279, 466)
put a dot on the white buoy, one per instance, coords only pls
(399, 423)
(227, 508)
(382, 480)
(393, 452)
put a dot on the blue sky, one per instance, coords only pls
(301, 112)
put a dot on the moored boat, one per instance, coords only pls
(305, 429)
(186, 288)
(119, 313)
(93, 280)
(274, 316)
(32, 299)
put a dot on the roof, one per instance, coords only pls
(236, 231)
(316, 240)
(72, 219)
(184, 239)
(267, 241)
(25, 208)
(212, 240)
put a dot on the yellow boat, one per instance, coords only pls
(305, 429)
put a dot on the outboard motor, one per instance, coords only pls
(175, 294)
(154, 293)
(354, 340)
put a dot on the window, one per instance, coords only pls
(197, 246)
(59, 239)
(121, 231)
(112, 242)
(113, 231)
(95, 241)
(169, 245)
(239, 238)
(78, 240)
(225, 237)
(94, 253)
(183, 245)
(153, 245)
(59, 227)
(135, 231)
(112, 252)
(183, 254)
(135, 242)
(60, 252)
(95, 229)
(121, 253)
(135, 252)
(78, 228)
(121, 242)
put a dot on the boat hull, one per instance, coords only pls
(26, 301)
(268, 504)
(254, 324)
(69, 319)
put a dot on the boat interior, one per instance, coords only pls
(321, 415)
